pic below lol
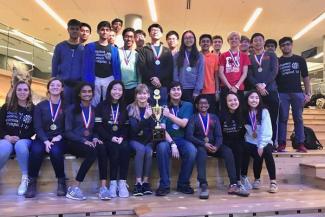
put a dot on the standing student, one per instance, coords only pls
(49, 128)
(140, 38)
(258, 139)
(291, 68)
(16, 130)
(217, 42)
(177, 115)
(211, 79)
(271, 45)
(204, 131)
(129, 73)
(189, 67)
(68, 59)
(156, 63)
(112, 38)
(141, 132)
(101, 63)
(172, 41)
(117, 25)
(81, 141)
(85, 32)
(262, 74)
(111, 126)
(245, 44)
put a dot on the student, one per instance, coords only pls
(49, 128)
(101, 63)
(85, 32)
(271, 45)
(16, 130)
(141, 124)
(68, 59)
(129, 72)
(156, 63)
(117, 26)
(140, 38)
(111, 126)
(172, 41)
(291, 68)
(258, 139)
(217, 42)
(262, 74)
(112, 38)
(244, 44)
(177, 115)
(81, 141)
(189, 67)
(211, 79)
(204, 131)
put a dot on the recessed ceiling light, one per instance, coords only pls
(25, 19)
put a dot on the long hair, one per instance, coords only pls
(77, 107)
(259, 108)
(49, 83)
(228, 116)
(13, 102)
(194, 55)
(133, 108)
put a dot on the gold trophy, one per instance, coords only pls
(158, 131)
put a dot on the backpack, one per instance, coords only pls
(311, 141)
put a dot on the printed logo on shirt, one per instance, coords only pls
(103, 57)
(230, 65)
(295, 65)
(289, 68)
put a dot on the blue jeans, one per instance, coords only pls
(22, 153)
(296, 100)
(188, 155)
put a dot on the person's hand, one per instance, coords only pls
(15, 138)
(148, 112)
(233, 89)
(119, 140)
(211, 148)
(91, 144)
(115, 139)
(56, 138)
(10, 139)
(175, 152)
(260, 151)
(155, 82)
(166, 112)
(307, 98)
(97, 141)
(48, 146)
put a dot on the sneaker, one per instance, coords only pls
(146, 188)
(232, 189)
(162, 191)
(245, 182)
(123, 189)
(137, 191)
(302, 148)
(185, 189)
(113, 189)
(242, 191)
(62, 187)
(75, 193)
(204, 192)
(273, 187)
(23, 185)
(31, 188)
(281, 147)
(104, 193)
(257, 184)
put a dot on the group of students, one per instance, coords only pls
(205, 110)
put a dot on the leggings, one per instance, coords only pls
(143, 158)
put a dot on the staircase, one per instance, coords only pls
(313, 174)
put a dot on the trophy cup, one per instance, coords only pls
(158, 131)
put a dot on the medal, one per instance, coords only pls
(86, 133)
(252, 117)
(140, 133)
(127, 57)
(53, 127)
(86, 121)
(175, 126)
(254, 135)
(157, 62)
(115, 127)
(115, 116)
(205, 127)
(259, 62)
(157, 55)
(188, 69)
(260, 69)
(235, 59)
(54, 114)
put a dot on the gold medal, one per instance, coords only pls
(206, 139)
(115, 127)
(254, 135)
(86, 133)
(53, 127)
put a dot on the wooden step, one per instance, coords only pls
(315, 127)
(310, 122)
(313, 174)
(313, 111)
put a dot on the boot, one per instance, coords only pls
(62, 187)
(31, 188)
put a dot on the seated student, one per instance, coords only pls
(111, 127)
(258, 139)
(16, 130)
(79, 124)
(204, 131)
(177, 115)
(49, 128)
(233, 131)
(141, 124)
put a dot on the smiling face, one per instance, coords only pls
(205, 44)
(142, 97)
(172, 41)
(55, 88)
(128, 39)
(234, 40)
(203, 105)
(253, 100)
(232, 102)
(258, 43)
(155, 33)
(175, 93)
(22, 92)
(86, 93)
(189, 39)
(117, 92)
(217, 44)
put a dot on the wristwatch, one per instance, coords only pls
(172, 143)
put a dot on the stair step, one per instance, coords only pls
(313, 111)
(309, 122)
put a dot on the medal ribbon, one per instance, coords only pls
(235, 59)
(259, 62)
(127, 57)
(54, 114)
(115, 113)
(175, 112)
(157, 56)
(206, 126)
(252, 117)
(86, 122)
(187, 59)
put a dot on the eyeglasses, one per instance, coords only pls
(285, 44)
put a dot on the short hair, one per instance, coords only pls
(103, 24)
(174, 84)
(284, 39)
(256, 34)
(271, 41)
(205, 36)
(155, 25)
(86, 25)
(199, 97)
(231, 34)
(129, 29)
(244, 38)
(117, 20)
(140, 31)
(172, 32)
(217, 37)
(74, 22)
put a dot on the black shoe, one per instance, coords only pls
(162, 191)
(185, 189)
(62, 187)
(204, 192)
(137, 191)
(146, 188)
(31, 188)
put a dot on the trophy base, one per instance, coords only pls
(158, 135)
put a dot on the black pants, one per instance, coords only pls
(273, 103)
(237, 148)
(187, 95)
(119, 156)
(223, 103)
(129, 96)
(258, 161)
(214, 105)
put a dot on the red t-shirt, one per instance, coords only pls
(231, 70)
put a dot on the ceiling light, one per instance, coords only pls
(52, 13)
(312, 24)
(252, 19)
(319, 55)
(152, 9)
(24, 60)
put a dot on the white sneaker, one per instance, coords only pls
(23, 185)
(113, 189)
(123, 189)
(257, 184)
(245, 182)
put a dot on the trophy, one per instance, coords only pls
(158, 131)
